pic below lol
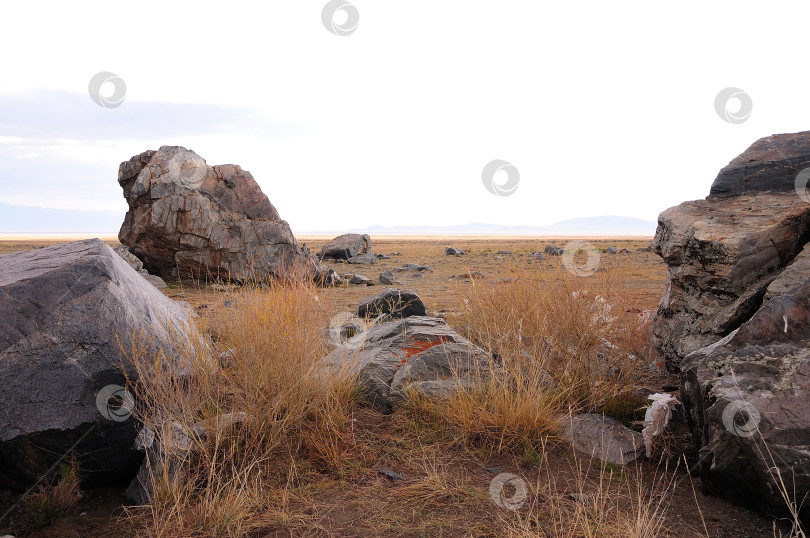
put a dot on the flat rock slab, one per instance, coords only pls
(66, 311)
(603, 438)
(364, 259)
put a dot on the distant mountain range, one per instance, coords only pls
(29, 219)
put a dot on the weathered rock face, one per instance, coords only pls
(746, 399)
(205, 221)
(723, 253)
(418, 351)
(66, 312)
(346, 247)
(735, 320)
(770, 164)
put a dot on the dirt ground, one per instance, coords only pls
(454, 501)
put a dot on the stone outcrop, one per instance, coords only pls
(723, 253)
(735, 321)
(67, 312)
(208, 222)
(746, 400)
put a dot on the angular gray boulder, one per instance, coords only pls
(387, 277)
(67, 311)
(207, 222)
(420, 352)
(346, 247)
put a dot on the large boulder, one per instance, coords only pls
(204, 221)
(346, 247)
(68, 311)
(734, 321)
(723, 253)
(417, 352)
(746, 400)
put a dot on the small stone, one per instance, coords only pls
(581, 498)
(388, 473)
(387, 277)
(359, 279)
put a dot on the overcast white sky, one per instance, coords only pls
(603, 107)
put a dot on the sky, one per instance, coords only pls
(596, 107)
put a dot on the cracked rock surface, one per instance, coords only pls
(193, 220)
(735, 321)
(66, 313)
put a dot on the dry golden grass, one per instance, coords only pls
(219, 487)
(558, 346)
(597, 506)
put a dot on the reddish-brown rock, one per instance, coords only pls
(210, 222)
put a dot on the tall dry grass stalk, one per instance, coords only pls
(585, 333)
(244, 419)
(558, 345)
(594, 506)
